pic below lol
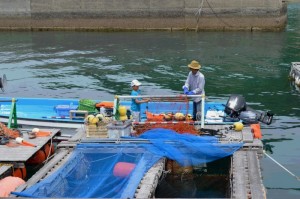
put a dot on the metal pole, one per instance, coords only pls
(167, 122)
(158, 96)
(202, 110)
(115, 107)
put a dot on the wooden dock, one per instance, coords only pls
(15, 155)
(245, 172)
(246, 181)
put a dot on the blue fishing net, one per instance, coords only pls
(102, 170)
(187, 149)
(91, 172)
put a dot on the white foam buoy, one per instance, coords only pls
(19, 140)
(35, 130)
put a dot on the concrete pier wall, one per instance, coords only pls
(106, 15)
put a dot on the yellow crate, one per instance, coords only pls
(97, 131)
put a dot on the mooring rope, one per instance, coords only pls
(198, 14)
(282, 166)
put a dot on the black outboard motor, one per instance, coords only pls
(248, 117)
(264, 117)
(236, 108)
(235, 105)
(3, 82)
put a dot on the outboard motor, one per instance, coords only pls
(236, 108)
(3, 82)
(235, 105)
(252, 116)
(248, 117)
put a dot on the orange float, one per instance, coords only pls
(123, 169)
(48, 150)
(37, 158)
(9, 184)
(154, 117)
(255, 128)
(41, 155)
(105, 104)
(20, 173)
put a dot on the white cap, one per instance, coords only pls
(135, 83)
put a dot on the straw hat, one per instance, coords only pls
(194, 65)
(135, 83)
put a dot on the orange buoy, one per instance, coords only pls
(48, 150)
(123, 169)
(105, 104)
(37, 158)
(20, 173)
(9, 184)
(255, 128)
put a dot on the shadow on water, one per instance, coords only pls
(207, 181)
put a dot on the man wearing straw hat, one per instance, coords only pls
(194, 85)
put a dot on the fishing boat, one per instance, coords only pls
(69, 114)
(65, 114)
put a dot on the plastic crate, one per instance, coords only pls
(87, 105)
(64, 110)
(117, 131)
(99, 130)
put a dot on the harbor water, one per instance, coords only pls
(100, 65)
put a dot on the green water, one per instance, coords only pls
(100, 65)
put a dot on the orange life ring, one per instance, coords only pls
(9, 184)
(105, 104)
(20, 173)
(255, 128)
(123, 169)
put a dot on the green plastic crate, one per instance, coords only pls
(87, 105)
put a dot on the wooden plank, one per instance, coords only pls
(239, 180)
(256, 184)
(5, 170)
(150, 180)
(77, 137)
(78, 114)
(247, 136)
(21, 153)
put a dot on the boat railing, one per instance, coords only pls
(163, 98)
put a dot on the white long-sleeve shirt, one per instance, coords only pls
(195, 83)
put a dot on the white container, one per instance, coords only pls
(117, 131)
(103, 111)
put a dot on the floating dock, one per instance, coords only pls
(245, 172)
(14, 155)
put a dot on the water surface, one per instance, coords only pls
(100, 65)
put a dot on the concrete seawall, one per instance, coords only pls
(117, 15)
